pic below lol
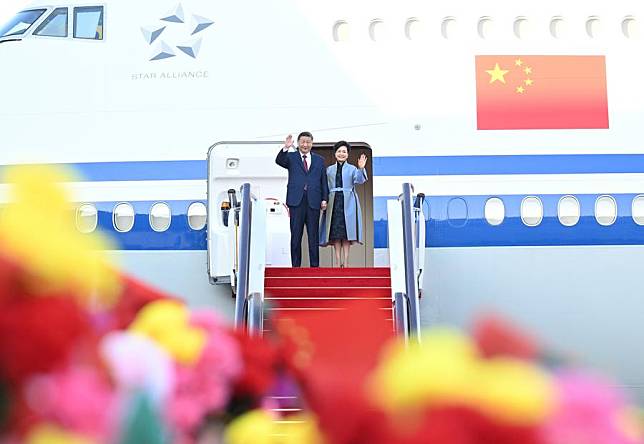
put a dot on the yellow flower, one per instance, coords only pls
(436, 370)
(37, 229)
(446, 370)
(167, 323)
(299, 429)
(512, 391)
(51, 434)
(259, 427)
(254, 427)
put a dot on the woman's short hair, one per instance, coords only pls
(340, 144)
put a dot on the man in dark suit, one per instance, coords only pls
(307, 192)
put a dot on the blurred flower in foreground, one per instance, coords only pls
(78, 398)
(167, 323)
(137, 363)
(51, 434)
(259, 427)
(37, 231)
(497, 336)
(206, 386)
(445, 369)
(37, 335)
(590, 411)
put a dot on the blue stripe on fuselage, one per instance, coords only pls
(388, 166)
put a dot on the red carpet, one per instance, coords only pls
(336, 320)
(311, 289)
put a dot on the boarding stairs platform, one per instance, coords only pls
(289, 291)
(310, 296)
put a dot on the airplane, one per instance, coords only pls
(162, 106)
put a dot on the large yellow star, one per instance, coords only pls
(497, 74)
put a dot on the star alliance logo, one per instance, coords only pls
(174, 34)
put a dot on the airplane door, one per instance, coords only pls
(231, 164)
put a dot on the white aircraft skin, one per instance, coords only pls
(138, 109)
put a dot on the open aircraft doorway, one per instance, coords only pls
(230, 164)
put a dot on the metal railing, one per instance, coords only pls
(249, 305)
(406, 222)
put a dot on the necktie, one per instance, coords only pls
(306, 165)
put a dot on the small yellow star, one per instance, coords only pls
(527, 70)
(518, 62)
(528, 82)
(520, 89)
(497, 74)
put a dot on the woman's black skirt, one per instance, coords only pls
(338, 230)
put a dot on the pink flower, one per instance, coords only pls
(590, 411)
(76, 398)
(205, 387)
(138, 363)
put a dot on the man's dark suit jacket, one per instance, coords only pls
(315, 179)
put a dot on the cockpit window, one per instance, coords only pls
(21, 22)
(55, 25)
(88, 22)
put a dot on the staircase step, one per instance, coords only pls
(328, 272)
(323, 302)
(327, 292)
(335, 281)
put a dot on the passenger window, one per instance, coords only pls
(605, 210)
(86, 218)
(55, 25)
(448, 28)
(457, 212)
(485, 27)
(531, 211)
(197, 215)
(569, 211)
(123, 218)
(160, 217)
(637, 210)
(494, 211)
(88, 22)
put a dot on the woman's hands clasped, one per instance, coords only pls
(362, 161)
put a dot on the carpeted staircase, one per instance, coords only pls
(298, 290)
(311, 296)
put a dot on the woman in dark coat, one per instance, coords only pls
(342, 221)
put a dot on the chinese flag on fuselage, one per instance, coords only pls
(541, 92)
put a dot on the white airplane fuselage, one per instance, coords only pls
(136, 106)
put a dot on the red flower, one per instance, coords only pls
(12, 280)
(37, 334)
(497, 336)
(261, 361)
(134, 296)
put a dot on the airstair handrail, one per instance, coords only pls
(410, 261)
(419, 219)
(406, 232)
(249, 305)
